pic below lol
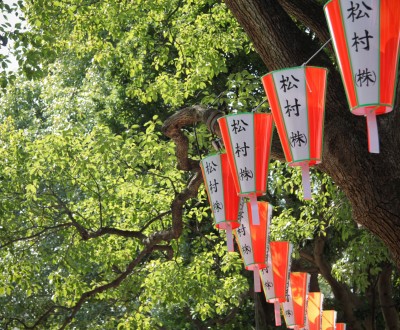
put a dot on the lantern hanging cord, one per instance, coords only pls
(217, 98)
(259, 105)
(316, 53)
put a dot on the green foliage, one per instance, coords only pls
(164, 53)
(178, 292)
(68, 180)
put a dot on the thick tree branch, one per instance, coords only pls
(187, 117)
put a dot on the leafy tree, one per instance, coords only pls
(98, 227)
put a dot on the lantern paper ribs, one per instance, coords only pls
(253, 239)
(221, 193)
(366, 40)
(297, 99)
(247, 139)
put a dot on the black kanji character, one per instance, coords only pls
(297, 139)
(292, 108)
(237, 126)
(241, 230)
(245, 174)
(365, 78)
(241, 150)
(287, 83)
(356, 12)
(211, 167)
(213, 186)
(361, 40)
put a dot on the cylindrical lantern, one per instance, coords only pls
(366, 38)
(222, 194)
(314, 310)
(340, 326)
(297, 100)
(328, 320)
(275, 278)
(253, 239)
(295, 310)
(247, 139)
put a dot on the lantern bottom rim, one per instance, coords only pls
(378, 109)
(256, 266)
(278, 299)
(309, 162)
(224, 225)
(249, 193)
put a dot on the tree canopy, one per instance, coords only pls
(104, 222)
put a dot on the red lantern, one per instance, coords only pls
(366, 38)
(221, 192)
(295, 309)
(328, 320)
(314, 310)
(297, 100)
(340, 326)
(275, 278)
(247, 139)
(253, 239)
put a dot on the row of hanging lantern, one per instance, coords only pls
(366, 42)
(270, 261)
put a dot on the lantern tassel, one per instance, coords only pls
(254, 209)
(229, 239)
(277, 310)
(373, 138)
(257, 281)
(305, 175)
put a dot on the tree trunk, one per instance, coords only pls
(388, 306)
(370, 181)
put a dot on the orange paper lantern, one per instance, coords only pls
(340, 326)
(221, 193)
(253, 239)
(297, 100)
(295, 310)
(366, 38)
(247, 139)
(275, 278)
(314, 310)
(328, 320)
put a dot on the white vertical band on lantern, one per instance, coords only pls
(212, 169)
(257, 281)
(241, 128)
(362, 38)
(243, 235)
(290, 86)
(305, 177)
(229, 238)
(277, 310)
(373, 138)
(254, 209)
